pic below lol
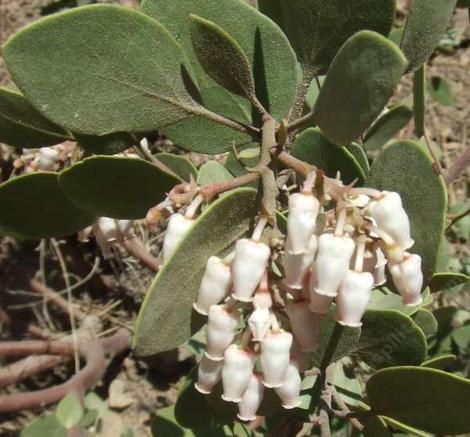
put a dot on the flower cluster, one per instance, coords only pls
(261, 330)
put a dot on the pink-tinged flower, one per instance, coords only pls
(391, 217)
(251, 399)
(220, 330)
(296, 265)
(304, 324)
(353, 298)
(375, 262)
(262, 299)
(178, 227)
(209, 373)
(259, 323)
(289, 391)
(303, 211)
(251, 260)
(408, 278)
(319, 303)
(215, 285)
(236, 372)
(275, 356)
(332, 262)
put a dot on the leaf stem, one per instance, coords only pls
(211, 190)
(299, 166)
(301, 122)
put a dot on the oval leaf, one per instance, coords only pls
(441, 91)
(271, 59)
(361, 79)
(69, 411)
(448, 282)
(22, 126)
(95, 92)
(318, 28)
(312, 147)
(212, 172)
(387, 126)
(390, 338)
(426, 23)
(384, 299)
(440, 362)
(222, 57)
(429, 395)
(376, 427)
(121, 188)
(181, 166)
(406, 168)
(166, 319)
(111, 144)
(34, 206)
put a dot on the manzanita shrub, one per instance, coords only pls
(308, 262)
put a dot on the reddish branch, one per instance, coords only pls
(136, 248)
(94, 352)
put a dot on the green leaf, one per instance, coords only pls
(191, 409)
(383, 299)
(34, 206)
(166, 319)
(22, 126)
(181, 166)
(347, 385)
(461, 338)
(44, 426)
(407, 430)
(69, 411)
(271, 58)
(419, 100)
(440, 362)
(441, 91)
(405, 167)
(448, 282)
(426, 321)
(424, 398)
(390, 338)
(348, 338)
(387, 126)
(426, 23)
(313, 92)
(106, 144)
(359, 154)
(361, 79)
(212, 172)
(312, 147)
(318, 28)
(222, 57)
(376, 427)
(95, 92)
(121, 188)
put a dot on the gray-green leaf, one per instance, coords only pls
(426, 23)
(213, 172)
(22, 126)
(405, 167)
(34, 206)
(121, 188)
(441, 91)
(361, 79)
(424, 398)
(166, 319)
(111, 79)
(69, 411)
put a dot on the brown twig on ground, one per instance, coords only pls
(94, 352)
(136, 248)
(55, 298)
(458, 167)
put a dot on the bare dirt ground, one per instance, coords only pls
(135, 389)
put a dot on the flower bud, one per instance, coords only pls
(178, 227)
(353, 298)
(332, 263)
(303, 211)
(215, 285)
(251, 399)
(46, 159)
(209, 373)
(251, 260)
(304, 325)
(408, 278)
(220, 331)
(259, 323)
(289, 391)
(111, 229)
(236, 372)
(275, 356)
(296, 265)
(391, 217)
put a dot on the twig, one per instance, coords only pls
(136, 248)
(209, 191)
(458, 217)
(458, 167)
(94, 353)
(344, 408)
(295, 164)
